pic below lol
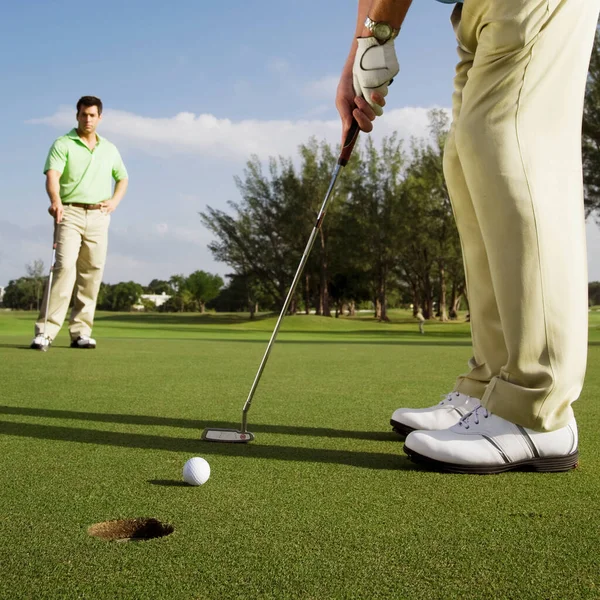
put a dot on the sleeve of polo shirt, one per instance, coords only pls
(119, 171)
(57, 157)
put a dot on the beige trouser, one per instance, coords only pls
(82, 238)
(513, 169)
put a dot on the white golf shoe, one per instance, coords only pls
(448, 412)
(85, 342)
(40, 342)
(485, 443)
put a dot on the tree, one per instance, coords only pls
(203, 287)
(121, 296)
(20, 294)
(180, 296)
(594, 293)
(35, 271)
(591, 135)
(347, 288)
(374, 212)
(159, 286)
(318, 161)
(433, 259)
(260, 239)
(389, 229)
(182, 301)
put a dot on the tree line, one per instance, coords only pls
(388, 238)
(189, 293)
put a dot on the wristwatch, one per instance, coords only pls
(381, 31)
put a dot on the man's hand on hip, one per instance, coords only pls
(108, 206)
(56, 211)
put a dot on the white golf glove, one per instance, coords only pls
(375, 65)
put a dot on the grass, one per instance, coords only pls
(323, 504)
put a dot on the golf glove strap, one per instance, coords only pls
(375, 65)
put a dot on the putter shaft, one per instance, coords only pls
(49, 286)
(309, 245)
(343, 159)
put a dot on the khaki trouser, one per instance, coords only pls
(513, 169)
(82, 238)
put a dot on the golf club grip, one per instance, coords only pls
(349, 142)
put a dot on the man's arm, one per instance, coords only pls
(53, 190)
(109, 206)
(348, 103)
(388, 11)
(120, 175)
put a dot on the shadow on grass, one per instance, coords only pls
(168, 482)
(370, 460)
(17, 346)
(384, 436)
(23, 347)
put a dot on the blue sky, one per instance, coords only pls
(190, 89)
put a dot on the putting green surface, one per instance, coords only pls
(324, 504)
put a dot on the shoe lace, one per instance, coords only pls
(449, 397)
(474, 416)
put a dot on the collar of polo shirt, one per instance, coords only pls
(75, 136)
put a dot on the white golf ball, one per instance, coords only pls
(196, 471)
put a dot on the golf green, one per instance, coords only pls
(323, 504)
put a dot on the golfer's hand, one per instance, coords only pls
(350, 105)
(56, 211)
(375, 65)
(108, 206)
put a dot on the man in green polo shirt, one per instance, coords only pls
(79, 171)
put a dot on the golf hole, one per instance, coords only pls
(130, 530)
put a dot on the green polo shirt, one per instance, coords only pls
(86, 175)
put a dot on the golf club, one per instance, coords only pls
(45, 347)
(243, 435)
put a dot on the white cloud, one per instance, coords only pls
(207, 135)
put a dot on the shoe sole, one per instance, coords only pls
(557, 464)
(83, 347)
(400, 428)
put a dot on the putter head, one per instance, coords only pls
(231, 436)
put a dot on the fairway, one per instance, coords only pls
(324, 504)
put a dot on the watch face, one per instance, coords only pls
(382, 31)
